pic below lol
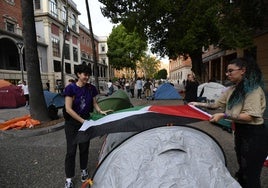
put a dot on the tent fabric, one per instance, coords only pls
(117, 101)
(166, 91)
(212, 90)
(55, 99)
(11, 97)
(139, 119)
(174, 156)
(19, 123)
(4, 83)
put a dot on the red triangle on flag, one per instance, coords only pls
(181, 110)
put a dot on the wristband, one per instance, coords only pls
(225, 116)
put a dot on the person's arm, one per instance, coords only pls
(70, 111)
(203, 104)
(236, 117)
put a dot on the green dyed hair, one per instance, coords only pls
(252, 79)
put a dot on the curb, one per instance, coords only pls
(30, 133)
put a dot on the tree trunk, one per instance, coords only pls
(197, 64)
(38, 108)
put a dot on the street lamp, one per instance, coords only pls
(20, 49)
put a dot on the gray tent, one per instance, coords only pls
(176, 156)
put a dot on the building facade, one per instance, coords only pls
(57, 25)
(179, 68)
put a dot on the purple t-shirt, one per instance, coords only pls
(83, 97)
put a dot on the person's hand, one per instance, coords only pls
(86, 124)
(105, 112)
(216, 117)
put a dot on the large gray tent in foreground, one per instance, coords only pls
(166, 157)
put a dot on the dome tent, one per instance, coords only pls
(11, 96)
(165, 92)
(117, 101)
(169, 156)
(210, 90)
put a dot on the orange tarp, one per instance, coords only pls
(19, 123)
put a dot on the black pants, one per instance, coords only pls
(139, 93)
(251, 146)
(132, 92)
(71, 129)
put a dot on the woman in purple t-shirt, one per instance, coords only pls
(80, 99)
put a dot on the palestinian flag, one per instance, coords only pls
(141, 118)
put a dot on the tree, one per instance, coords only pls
(183, 26)
(38, 108)
(124, 48)
(162, 74)
(149, 65)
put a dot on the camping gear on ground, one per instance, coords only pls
(54, 101)
(117, 101)
(11, 97)
(210, 91)
(166, 91)
(19, 123)
(169, 156)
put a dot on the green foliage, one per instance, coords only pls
(124, 48)
(149, 65)
(162, 74)
(185, 26)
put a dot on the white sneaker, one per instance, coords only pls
(84, 175)
(69, 184)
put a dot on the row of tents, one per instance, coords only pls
(11, 95)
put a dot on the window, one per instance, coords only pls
(56, 47)
(64, 13)
(10, 27)
(57, 66)
(75, 54)
(103, 48)
(37, 4)
(68, 68)
(67, 51)
(53, 8)
(73, 22)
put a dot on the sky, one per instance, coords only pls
(101, 25)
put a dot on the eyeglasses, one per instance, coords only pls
(229, 71)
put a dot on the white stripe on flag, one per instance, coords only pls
(113, 117)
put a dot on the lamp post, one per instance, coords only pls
(20, 49)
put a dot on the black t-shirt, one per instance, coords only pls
(191, 91)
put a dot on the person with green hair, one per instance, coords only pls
(244, 104)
